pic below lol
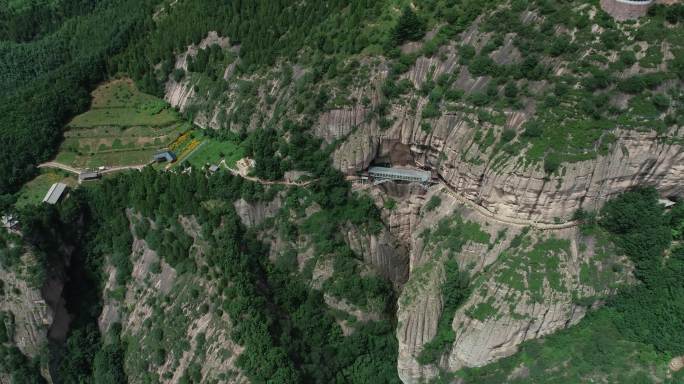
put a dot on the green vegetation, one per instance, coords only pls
(451, 234)
(432, 204)
(633, 337)
(448, 238)
(529, 266)
(592, 351)
(46, 78)
(409, 27)
(18, 368)
(648, 312)
(390, 204)
(482, 311)
(34, 191)
(71, 45)
(561, 131)
(455, 291)
(212, 151)
(284, 326)
(122, 127)
(54, 53)
(120, 103)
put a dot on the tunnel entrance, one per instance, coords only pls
(393, 153)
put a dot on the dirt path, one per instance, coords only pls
(505, 220)
(265, 182)
(445, 187)
(125, 167)
(64, 167)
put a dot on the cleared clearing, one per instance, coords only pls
(34, 191)
(213, 151)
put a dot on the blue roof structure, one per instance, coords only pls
(165, 156)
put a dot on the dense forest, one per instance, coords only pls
(53, 53)
(46, 75)
(287, 333)
(643, 319)
(50, 63)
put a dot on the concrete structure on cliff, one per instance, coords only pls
(631, 9)
(399, 174)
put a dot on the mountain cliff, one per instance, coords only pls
(531, 117)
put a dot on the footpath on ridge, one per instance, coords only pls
(444, 187)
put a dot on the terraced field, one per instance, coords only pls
(123, 127)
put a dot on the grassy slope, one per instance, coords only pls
(123, 127)
(34, 191)
(575, 356)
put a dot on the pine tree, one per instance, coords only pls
(409, 27)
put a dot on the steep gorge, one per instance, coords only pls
(507, 185)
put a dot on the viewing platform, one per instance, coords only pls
(381, 174)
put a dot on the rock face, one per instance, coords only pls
(510, 302)
(521, 289)
(499, 314)
(383, 252)
(254, 213)
(511, 188)
(178, 94)
(158, 301)
(508, 187)
(27, 315)
(514, 190)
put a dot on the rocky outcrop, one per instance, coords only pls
(203, 340)
(27, 315)
(382, 251)
(179, 94)
(508, 186)
(512, 299)
(339, 122)
(514, 189)
(252, 214)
